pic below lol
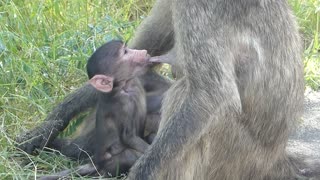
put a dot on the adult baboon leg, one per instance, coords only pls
(75, 103)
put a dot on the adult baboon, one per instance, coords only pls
(230, 115)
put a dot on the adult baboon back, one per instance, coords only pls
(230, 115)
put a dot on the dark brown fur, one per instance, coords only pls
(121, 110)
(82, 100)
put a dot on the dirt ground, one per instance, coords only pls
(306, 139)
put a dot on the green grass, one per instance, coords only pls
(44, 45)
(308, 15)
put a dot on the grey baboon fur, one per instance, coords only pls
(230, 115)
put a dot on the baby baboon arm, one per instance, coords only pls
(136, 143)
(133, 141)
(75, 103)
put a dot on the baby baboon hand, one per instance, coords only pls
(108, 156)
(127, 133)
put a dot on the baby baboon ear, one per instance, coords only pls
(102, 83)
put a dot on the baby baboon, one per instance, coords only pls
(82, 100)
(121, 109)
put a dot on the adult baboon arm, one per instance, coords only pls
(75, 103)
(155, 34)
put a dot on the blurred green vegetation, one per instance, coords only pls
(308, 16)
(44, 45)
